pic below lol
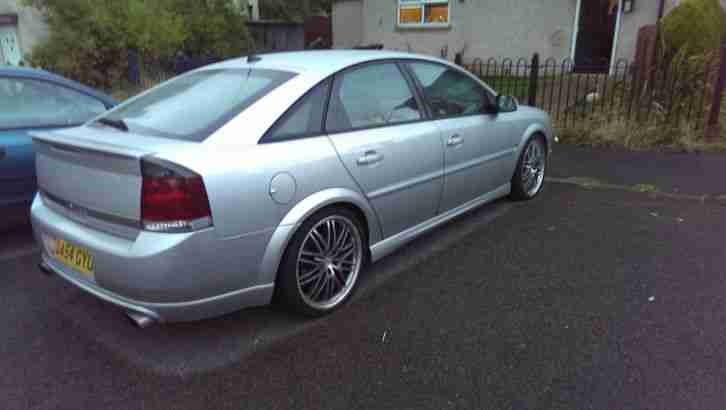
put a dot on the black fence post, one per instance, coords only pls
(533, 78)
(134, 76)
(713, 126)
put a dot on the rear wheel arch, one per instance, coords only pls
(303, 211)
(360, 214)
(347, 210)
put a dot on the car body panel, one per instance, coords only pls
(261, 193)
(404, 192)
(238, 179)
(17, 160)
(391, 244)
(478, 160)
(301, 212)
(97, 168)
(157, 267)
(17, 168)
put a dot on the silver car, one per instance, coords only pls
(275, 177)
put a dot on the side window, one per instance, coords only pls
(26, 103)
(373, 95)
(304, 119)
(449, 92)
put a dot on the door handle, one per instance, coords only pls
(454, 141)
(370, 158)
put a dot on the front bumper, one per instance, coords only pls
(168, 277)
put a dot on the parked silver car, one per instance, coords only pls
(276, 175)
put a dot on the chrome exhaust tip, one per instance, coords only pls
(45, 269)
(139, 320)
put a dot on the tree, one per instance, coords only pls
(696, 25)
(90, 40)
(293, 10)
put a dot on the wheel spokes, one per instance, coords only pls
(533, 165)
(311, 276)
(328, 261)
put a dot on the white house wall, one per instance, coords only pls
(347, 23)
(488, 28)
(32, 28)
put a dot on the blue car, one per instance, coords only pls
(33, 100)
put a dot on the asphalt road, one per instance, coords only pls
(673, 172)
(577, 300)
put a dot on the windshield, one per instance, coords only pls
(193, 106)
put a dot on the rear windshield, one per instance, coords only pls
(192, 106)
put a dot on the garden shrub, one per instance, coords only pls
(90, 40)
(698, 25)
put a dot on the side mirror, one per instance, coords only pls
(506, 103)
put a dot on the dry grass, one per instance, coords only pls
(614, 130)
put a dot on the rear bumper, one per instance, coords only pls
(170, 312)
(168, 277)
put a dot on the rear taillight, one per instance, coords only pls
(173, 199)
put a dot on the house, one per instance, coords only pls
(21, 28)
(249, 8)
(590, 32)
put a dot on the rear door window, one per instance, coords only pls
(373, 95)
(30, 103)
(191, 107)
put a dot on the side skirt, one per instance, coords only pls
(387, 246)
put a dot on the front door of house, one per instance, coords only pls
(595, 35)
(9, 47)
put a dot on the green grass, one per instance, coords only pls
(509, 85)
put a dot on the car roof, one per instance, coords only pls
(322, 62)
(38, 74)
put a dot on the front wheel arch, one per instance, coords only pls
(518, 192)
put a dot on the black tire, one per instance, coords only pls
(519, 191)
(289, 293)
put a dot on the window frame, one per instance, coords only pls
(486, 90)
(422, 5)
(55, 84)
(413, 84)
(267, 136)
(335, 86)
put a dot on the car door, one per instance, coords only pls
(26, 105)
(377, 124)
(479, 146)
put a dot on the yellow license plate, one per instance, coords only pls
(75, 257)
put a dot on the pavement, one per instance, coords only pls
(671, 172)
(580, 299)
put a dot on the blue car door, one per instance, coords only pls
(17, 170)
(26, 105)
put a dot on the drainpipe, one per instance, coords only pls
(661, 11)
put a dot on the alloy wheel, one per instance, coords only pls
(329, 262)
(533, 168)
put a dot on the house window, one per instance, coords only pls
(423, 12)
(9, 48)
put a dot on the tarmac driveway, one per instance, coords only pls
(580, 299)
